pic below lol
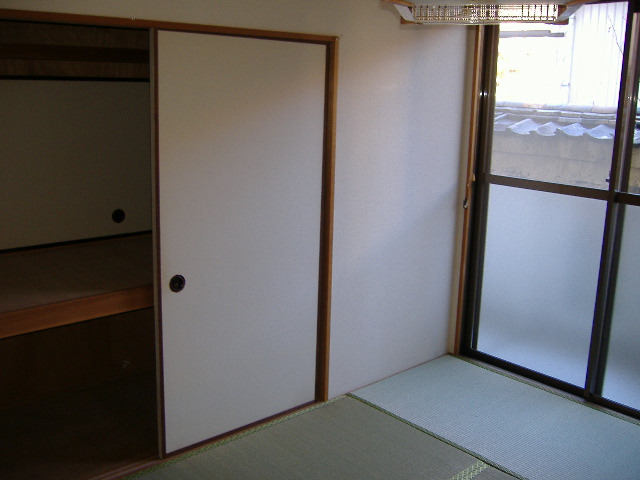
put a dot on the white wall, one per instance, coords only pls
(98, 159)
(400, 120)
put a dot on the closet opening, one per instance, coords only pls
(77, 311)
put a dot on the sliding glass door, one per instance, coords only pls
(619, 379)
(540, 279)
(622, 376)
(552, 290)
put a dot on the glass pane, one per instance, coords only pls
(539, 283)
(634, 175)
(556, 98)
(622, 377)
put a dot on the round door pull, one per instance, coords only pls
(177, 283)
(118, 215)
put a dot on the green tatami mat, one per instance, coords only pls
(345, 439)
(524, 429)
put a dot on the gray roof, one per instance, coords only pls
(548, 121)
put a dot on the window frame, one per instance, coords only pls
(475, 205)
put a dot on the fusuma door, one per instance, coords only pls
(240, 149)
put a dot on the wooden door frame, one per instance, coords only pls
(328, 166)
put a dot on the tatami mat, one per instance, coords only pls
(537, 434)
(344, 439)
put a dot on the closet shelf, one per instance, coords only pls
(38, 50)
(51, 287)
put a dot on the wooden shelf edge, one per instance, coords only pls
(73, 311)
(72, 53)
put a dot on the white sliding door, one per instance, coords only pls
(240, 124)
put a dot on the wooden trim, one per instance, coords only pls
(577, 2)
(72, 311)
(73, 53)
(402, 3)
(127, 470)
(70, 18)
(153, 58)
(326, 228)
(472, 151)
(162, 444)
(243, 32)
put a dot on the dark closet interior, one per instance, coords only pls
(77, 320)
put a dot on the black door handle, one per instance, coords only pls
(177, 283)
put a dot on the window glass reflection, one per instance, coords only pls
(556, 98)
